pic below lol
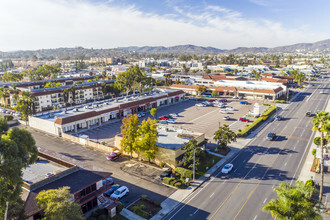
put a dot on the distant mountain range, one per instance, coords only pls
(140, 52)
(192, 49)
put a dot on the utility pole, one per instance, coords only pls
(6, 210)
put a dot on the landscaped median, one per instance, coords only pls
(254, 125)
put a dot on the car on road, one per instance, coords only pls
(226, 117)
(243, 103)
(244, 119)
(309, 114)
(120, 193)
(223, 111)
(165, 174)
(227, 168)
(229, 108)
(114, 155)
(110, 191)
(278, 118)
(271, 136)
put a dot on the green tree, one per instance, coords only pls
(129, 133)
(207, 71)
(300, 78)
(257, 75)
(3, 126)
(52, 84)
(185, 69)
(319, 124)
(58, 205)
(73, 93)
(224, 136)
(188, 156)
(130, 77)
(153, 112)
(66, 95)
(214, 93)
(200, 90)
(147, 139)
(17, 150)
(317, 141)
(104, 74)
(293, 202)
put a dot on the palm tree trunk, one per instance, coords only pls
(321, 170)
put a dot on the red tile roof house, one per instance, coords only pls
(49, 172)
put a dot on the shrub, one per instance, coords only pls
(139, 211)
(184, 172)
(119, 207)
(239, 130)
(270, 111)
(143, 197)
(156, 203)
(266, 104)
(309, 183)
(314, 152)
(162, 164)
(280, 101)
(9, 117)
(172, 182)
(102, 142)
(178, 184)
(167, 180)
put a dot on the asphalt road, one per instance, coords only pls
(259, 167)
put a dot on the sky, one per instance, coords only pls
(224, 24)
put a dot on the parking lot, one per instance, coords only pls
(191, 117)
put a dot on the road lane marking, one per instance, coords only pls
(255, 217)
(235, 170)
(224, 182)
(285, 163)
(273, 186)
(265, 200)
(244, 161)
(211, 195)
(195, 211)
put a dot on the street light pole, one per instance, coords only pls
(194, 165)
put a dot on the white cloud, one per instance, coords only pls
(36, 24)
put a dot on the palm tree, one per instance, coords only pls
(293, 202)
(200, 90)
(299, 78)
(66, 96)
(320, 121)
(73, 92)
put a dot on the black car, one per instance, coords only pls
(165, 174)
(271, 136)
(308, 114)
(278, 118)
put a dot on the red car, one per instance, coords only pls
(223, 100)
(163, 118)
(244, 119)
(114, 155)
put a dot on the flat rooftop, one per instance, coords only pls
(100, 105)
(174, 139)
(41, 170)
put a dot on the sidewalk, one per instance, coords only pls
(306, 174)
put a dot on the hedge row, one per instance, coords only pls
(184, 172)
(280, 101)
(173, 182)
(139, 211)
(254, 125)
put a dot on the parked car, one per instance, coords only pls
(163, 121)
(278, 118)
(164, 117)
(212, 100)
(110, 191)
(243, 103)
(107, 181)
(223, 111)
(227, 168)
(221, 106)
(226, 117)
(171, 121)
(192, 98)
(244, 119)
(309, 114)
(207, 103)
(120, 193)
(174, 115)
(235, 97)
(223, 100)
(229, 108)
(200, 105)
(114, 155)
(271, 136)
(139, 115)
(165, 174)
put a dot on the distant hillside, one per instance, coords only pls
(181, 49)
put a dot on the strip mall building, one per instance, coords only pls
(77, 118)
